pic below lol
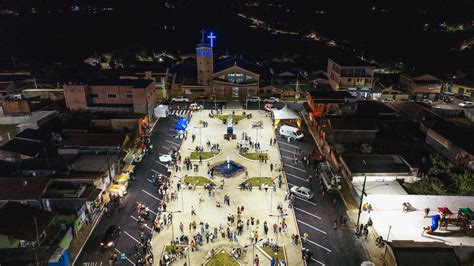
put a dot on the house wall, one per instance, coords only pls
(420, 90)
(447, 148)
(463, 89)
(99, 94)
(338, 80)
(418, 202)
(75, 96)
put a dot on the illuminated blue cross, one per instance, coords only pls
(211, 38)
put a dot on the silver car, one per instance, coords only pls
(302, 192)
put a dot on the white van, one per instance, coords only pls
(291, 132)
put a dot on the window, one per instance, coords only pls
(94, 95)
(111, 95)
(129, 96)
(349, 80)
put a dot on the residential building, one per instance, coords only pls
(421, 87)
(463, 87)
(348, 130)
(132, 95)
(351, 74)
(407, 253)
(27, 190)
(376, 168)
(321, 102)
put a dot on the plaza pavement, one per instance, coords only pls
(258, 203)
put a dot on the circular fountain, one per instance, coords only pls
(228, 168)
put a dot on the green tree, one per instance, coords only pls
(464, 183)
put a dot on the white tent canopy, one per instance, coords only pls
(285, 113)
(161, 111)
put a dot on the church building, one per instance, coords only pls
(231, 78)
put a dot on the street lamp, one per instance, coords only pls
(172, 227)
(278, 215)
(253, 248)
(361, 198)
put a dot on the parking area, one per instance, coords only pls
(331, 244)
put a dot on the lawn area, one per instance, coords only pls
(222, 258)
(279, 256)
(197, 180)
(255, 155)
(234, 117)
(258, 180)
(173, 249)
(204, 155)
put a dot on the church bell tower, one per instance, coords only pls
(204, 59)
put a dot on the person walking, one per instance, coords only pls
(256, 261)
(193, 211)
(271, 167)
(305, 237)
(335, 224)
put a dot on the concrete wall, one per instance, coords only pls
(419, 202)
(102, 92)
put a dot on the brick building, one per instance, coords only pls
(351, 74)
(136, 95)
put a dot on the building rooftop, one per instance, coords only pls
(461, 137)
(422, 78)
(80, 175)
(27, 256)
(94, 163)
(242, 63)
(330, 96)
(24, 147)
(135, 83)
(350, 61)
(16, 188)
(350, 124)
(20, 221)
(375, 164)
(94, 140)
(374, 107)
(409, 253)
(58, 189)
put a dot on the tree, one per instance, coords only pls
(464, 183)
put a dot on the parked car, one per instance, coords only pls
(254, 99)
(291, 132)
(447, 99)
(271, 100)
(463, 97)
(111, 236)
(466, 104)
(302, 192)
(165, 158)
(180, 99)
(195, 107)
(427, 101)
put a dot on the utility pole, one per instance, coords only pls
(361, 198)
(172, 226)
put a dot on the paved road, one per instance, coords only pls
(316, 217)
(141, 190)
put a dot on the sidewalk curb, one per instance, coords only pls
(88, 236)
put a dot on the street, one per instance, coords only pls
(140, 190)
(316, 217)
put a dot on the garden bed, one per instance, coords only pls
(258, 181)
(197, 180)
(222, 258)
(204, 155)
(255, 155)
(280, 255)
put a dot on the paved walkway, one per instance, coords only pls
(258, 203)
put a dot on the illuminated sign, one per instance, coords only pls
(203, 52)
(211, 38)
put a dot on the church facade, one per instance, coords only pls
(227, 79)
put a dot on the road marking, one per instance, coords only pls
(315, 228)
(306, 200)
(314, 215)
(174, 143)
(160, 163)
(287, 157)
(151, 195)
(294, 167)
(313, 259)
(149, 180)
(284, 143)
(300, 178)
(149, 209)
(164, 147)
(292, 184)
(287, 150)
(125, 256)
(131, 237)
(137, 221)
(316, 244)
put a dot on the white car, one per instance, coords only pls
(302, 192)
(466, 104)
(271, 100)
(165, 158)
(195, 106)
(253, 99)
(180, 99)
(427, 101)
